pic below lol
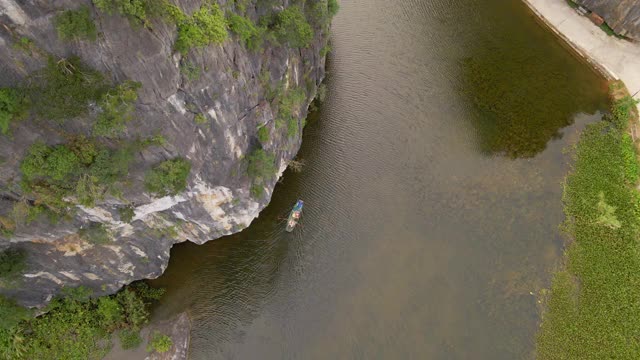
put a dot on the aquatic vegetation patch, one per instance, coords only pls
(593, 309)
(522, 108)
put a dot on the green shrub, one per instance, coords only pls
(257, 190)
(7, 226)
(134, 308)
(110, 313)
(89, 190)
(169, 177)
(321, 95)
(117, 107)
(251, 35)
(129, 339)
(159, 343)
(292, 28)
(55, 162)
(325, 50)
(127, 213)
(287, 106)
(80, 168)
(76, 24)
(263, 134)
(75, 326)
(146, 292)
(96, 234)
(241, 6)
(322, 12)
(292, 127)
(137, 11)
(206, 26)
(621, 111)
(64, 88)
(261, 165)
(13, 107)
(333, 7)
(24, 44)
(12, 263)
(11, 313)
(189, 70)
(200, 119)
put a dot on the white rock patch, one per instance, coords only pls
(91, 276)
(138, 251)
(69, 275)
(45, 275)
(13, 11)
(98, 215)
(177, 103)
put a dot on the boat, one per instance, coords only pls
(294, 216)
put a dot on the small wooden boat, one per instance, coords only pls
(294, 216)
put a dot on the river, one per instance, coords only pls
(432, 184)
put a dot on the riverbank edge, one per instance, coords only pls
(582, 53)
(546, 12)
(566, 284)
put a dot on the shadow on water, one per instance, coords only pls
(522, 94)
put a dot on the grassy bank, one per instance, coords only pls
(593, 308)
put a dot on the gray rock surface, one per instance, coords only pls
(622, 15)
(217, 200)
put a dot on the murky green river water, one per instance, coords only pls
(432, 184)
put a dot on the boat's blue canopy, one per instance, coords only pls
(298, 205)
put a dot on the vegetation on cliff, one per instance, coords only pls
(593, 309)
(76, 24)
(169, 177)
(261, 166)
(87, 144)
(12, 108)
(81, 168)
(75, 326)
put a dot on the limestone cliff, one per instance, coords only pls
(622, 15)
(210, 118)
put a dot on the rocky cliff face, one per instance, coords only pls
(231, 93)
(622, 15)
